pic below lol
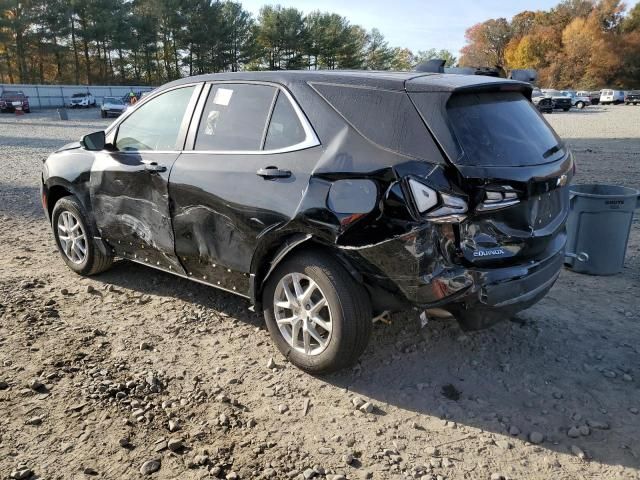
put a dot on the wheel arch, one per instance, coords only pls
(53, 194)
(273, 253)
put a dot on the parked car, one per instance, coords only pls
(578, 101)
(112, 106)
(560, 101)
(325, 198)
(608, 97)
(82, 100)
(543, 104)
(12, 99)
(594, 96)
(632, 97)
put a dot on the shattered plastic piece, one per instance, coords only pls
(424, 319)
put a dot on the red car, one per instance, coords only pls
(10, 99)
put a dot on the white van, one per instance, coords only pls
(611, 96)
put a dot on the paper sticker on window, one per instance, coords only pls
(222, 96)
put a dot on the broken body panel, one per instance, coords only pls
(208, 216)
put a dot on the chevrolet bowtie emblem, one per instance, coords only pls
(562, 181)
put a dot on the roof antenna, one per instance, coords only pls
(435, 65)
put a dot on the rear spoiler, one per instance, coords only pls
(448, 83)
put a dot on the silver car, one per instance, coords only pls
(112, 106)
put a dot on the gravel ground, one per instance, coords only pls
(135, 373)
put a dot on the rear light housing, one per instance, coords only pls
(500, 197)
(435, 206)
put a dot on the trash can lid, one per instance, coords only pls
(603, 191)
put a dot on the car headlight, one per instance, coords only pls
(437, 206)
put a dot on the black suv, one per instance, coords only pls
(632, 97)
(326, 198)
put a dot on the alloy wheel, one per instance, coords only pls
(302, 314)
(73, 239)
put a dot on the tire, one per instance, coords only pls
(103, 114)
(28, 110)
(94, 261)
(566, 109)
(346, 300)
(580, 105)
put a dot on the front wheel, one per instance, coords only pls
(566, 109)
(74, 239)
(580, 105)
(318, 316)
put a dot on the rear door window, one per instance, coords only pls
(285, 128)
(501, 129)
(235, 117)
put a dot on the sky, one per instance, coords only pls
(416, 24)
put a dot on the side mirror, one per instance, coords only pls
(94, 141)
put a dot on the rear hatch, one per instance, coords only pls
(503, 154)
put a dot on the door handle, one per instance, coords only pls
(154, 167)
(273, 172)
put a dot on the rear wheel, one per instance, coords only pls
(74, 238)
(318, 316)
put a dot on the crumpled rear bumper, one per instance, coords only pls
(415, 273)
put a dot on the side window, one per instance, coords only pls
(285, 128)
(235, 117)
(155, 125)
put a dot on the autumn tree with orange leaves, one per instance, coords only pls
(578, 44)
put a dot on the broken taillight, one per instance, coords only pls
(437, 206)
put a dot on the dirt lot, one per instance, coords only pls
(100, 375)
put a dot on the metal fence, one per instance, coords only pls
(46, 96)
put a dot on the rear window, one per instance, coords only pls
(501, 129)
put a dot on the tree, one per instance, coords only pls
(17, 17)
(378, 55)
(632, 21)
(533, 50)
(588, 43)
(402, 59)
(426, 55)
(281, 37)
(238, 38)
(486, 44)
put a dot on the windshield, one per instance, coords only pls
(501, 129)
(78, 95)
(12, 95)
(113, 100)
